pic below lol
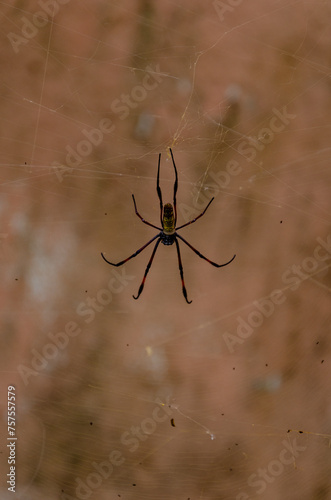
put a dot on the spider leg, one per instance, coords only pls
(147, 268)
(202, 256)
(141, 218)
(158, 189)
(198, 217)
(131, 256)
(175, 185)
(181, 272)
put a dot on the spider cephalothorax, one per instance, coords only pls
(168, 233)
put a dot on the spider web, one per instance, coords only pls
(226, 398)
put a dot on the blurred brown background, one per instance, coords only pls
(226, 398)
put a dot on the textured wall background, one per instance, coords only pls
(226, 398)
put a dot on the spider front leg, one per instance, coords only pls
(131, 256)
(181, 272)
(147, 269)
(202, 256)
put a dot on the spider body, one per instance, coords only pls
(168, 233)
(168, 220)
(167, 239)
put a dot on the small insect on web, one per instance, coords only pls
(168, 233)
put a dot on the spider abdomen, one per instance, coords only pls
(168, 221)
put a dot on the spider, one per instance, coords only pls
(168, 233)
